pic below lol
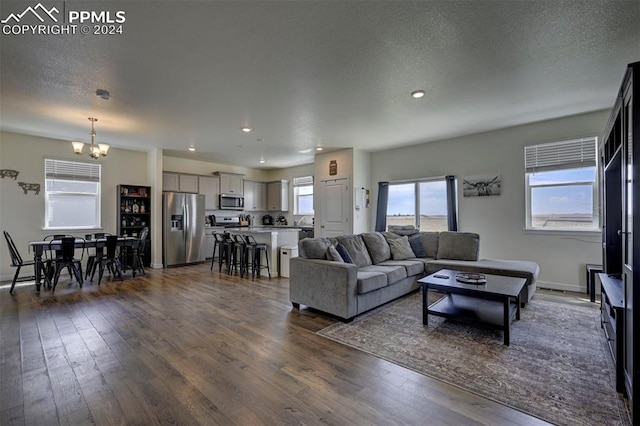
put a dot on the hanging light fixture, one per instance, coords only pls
(95, 150)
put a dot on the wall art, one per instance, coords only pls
(9, 173)
(26, 187)
(479, 186)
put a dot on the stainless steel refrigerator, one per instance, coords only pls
(183, 228)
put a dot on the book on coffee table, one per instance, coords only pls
(471, 278)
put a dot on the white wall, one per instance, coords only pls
(23, 215)
(289, 174)
(500, 220)
(361, 179)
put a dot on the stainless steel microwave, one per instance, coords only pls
(231, 202)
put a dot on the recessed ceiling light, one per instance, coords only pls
(319, 148)
(247, 129)
(261, 161)
(417, 93)
(191, 148)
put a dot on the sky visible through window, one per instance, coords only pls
(572, 199)
(433, 199)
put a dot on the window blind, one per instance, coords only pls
(304, 180)
(71, 170)
(560, 155)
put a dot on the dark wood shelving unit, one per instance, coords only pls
(134, 213)
(620, 184)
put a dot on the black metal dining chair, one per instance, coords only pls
(91, 257)
(142, 244)
(65, 258)
(17, 262)
(108, 259)
(254, 259)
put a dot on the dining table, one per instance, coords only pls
(39, 247)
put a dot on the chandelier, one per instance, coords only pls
(95, 150)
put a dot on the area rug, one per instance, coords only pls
(556, 368)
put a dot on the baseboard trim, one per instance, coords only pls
(562, 286)
(157, 265)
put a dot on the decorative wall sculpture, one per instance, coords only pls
(9, 173)
(26, 187)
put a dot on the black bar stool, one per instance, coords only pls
(217, 244)
(240, 255)
(256, 255)
(225, 252)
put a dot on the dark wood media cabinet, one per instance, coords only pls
(612, 322)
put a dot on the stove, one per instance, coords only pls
(228, 222)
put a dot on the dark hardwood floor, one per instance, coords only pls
(189, 346)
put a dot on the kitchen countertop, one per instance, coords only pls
(265, 229)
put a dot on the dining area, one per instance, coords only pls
(87, 258)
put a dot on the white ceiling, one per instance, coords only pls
(302, 74)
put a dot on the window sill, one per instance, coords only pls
(563, 232)
(72, 229)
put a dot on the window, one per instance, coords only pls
(423, 204)
(72, 194)
(561, 186)
(303, 195)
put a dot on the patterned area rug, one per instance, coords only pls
(557, 367)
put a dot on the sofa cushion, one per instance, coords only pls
(413, 267)
(393, 273)
(403, 229)
(367, 281)
(400, 248)
(314, 248)
(430, 243)
(377, 246)
(458, 245)
(416, 246)
(356, 248)
(332, 254)
(344, 254)
(510, 268)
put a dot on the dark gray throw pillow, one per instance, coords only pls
(416, 245)
(332, 254)
(344, 253)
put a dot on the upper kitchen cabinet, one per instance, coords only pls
(255, 196)
(230, 183)
(208, 186)
(174, 182)
(278, 196)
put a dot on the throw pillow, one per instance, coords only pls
(344, 253)
(332, 254)
(356, 248)
(377, 246)
(400, 248)
(416, 246)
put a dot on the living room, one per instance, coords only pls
(488, 145)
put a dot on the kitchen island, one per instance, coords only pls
(274, 238)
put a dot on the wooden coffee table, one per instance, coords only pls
(494, 303)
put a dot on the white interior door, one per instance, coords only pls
(335, 207)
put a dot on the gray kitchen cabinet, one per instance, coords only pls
(170, 182)
(278, 196)
(230, 183)
(255, 196)
(209, 187)
(176, 182)
(209, 242)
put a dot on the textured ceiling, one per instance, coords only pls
(301, 74)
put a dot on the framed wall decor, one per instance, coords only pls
(480, 186)
(333, 168)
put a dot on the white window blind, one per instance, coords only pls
(560, 155)
(71, 170)
(304, 180)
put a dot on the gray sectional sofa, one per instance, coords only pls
(380, 267)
